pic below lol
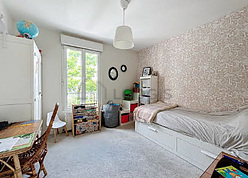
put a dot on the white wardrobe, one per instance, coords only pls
(20, 80)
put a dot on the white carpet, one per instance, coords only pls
(118, 152)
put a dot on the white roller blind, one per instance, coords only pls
(77, 42)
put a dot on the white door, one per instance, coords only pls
(37, 86)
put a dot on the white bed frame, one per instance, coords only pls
(196, 152)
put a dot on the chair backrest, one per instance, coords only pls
(37, 152)
(46, 134)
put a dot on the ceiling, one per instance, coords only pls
(152, 21)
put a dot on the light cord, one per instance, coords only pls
(123, 16)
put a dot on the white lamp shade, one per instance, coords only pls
(123, 38)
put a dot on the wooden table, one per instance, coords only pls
(15, 130)
(210, 170)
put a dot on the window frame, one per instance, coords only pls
(64, 75)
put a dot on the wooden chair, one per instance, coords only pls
(37, 153)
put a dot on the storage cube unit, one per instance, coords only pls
(148, 89)
(129, 105)
(126, 115)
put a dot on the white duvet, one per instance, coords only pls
(229, 131)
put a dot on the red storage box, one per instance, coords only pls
(124, 118)
(133, 106)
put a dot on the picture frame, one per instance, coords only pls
(147, 71)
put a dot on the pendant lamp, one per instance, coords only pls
(123, 35)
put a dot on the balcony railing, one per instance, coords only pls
(76, 98)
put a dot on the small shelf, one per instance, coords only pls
(148, 89)
(128, 108)
(88, 117)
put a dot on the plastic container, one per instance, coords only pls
(133, 106)
(146, 83)
(144, 100)
(146, 91)
(124, 118)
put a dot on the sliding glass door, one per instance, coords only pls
(81, 76)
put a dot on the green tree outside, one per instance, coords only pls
(74, 76)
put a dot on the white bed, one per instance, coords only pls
(199, 137)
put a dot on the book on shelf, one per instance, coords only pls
(85, 118)
(230, 172)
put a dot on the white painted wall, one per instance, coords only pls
(112, 57)
(6, 18)
(52, 55)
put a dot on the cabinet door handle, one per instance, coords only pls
(152, 129)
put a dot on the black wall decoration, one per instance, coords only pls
(113, 73)
(123, 68)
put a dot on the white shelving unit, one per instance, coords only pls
(127, 108)
(148, 89)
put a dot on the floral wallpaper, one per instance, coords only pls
(206, 68)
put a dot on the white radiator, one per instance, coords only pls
(68, 117)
